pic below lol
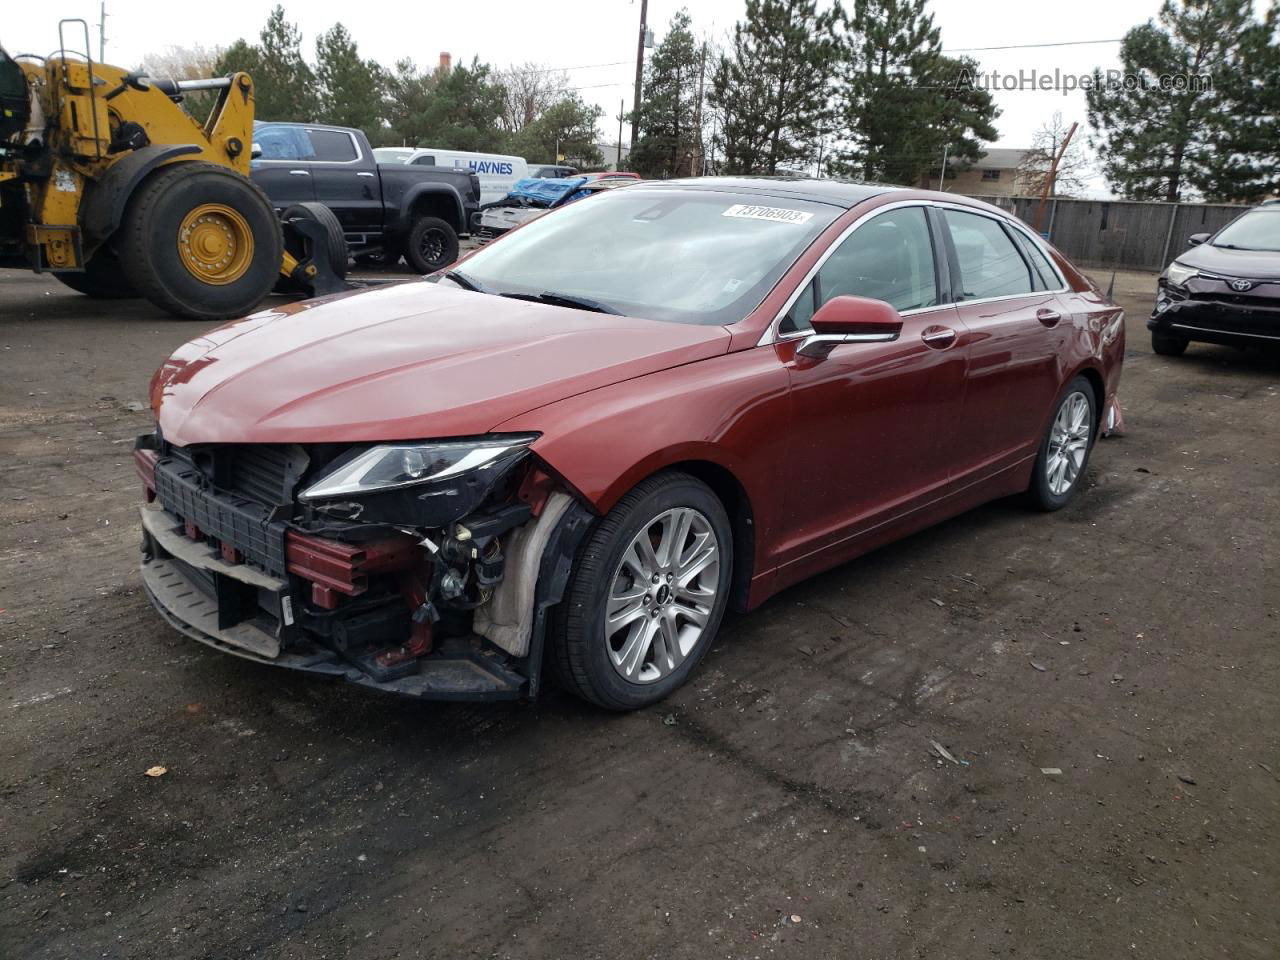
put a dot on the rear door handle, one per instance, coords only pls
(938, 337)
(1048, 317)
(364, 173)
(299, 173)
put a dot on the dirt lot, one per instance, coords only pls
(787, 803)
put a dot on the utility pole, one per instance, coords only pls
(697, 125)
(1052, 176)
(102, 31)
(942, 174)
(635, 115)
(622, 115)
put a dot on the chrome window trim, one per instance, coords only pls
(327, 163)
(771, 334)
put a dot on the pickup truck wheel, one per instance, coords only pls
(102, 278)
(431, 245)
(200, 241)
(646, 594)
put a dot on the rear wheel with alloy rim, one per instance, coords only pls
(647, 594)
(1064, 451)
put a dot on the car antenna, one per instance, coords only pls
(1111, 286)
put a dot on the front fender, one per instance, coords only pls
(106, 197)
(730, 411)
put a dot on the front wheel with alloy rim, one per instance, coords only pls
(646, 595)
(1065, 448)
(431, 245)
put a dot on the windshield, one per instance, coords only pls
(1256, 230)
(688, 256)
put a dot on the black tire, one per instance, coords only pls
(147, 243)
(102, 278)
(1167, 345)
(1042, 490)
(297, 245)
(579, 646)
(431, 245)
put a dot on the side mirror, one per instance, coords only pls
(255, 151)
(850, 320)
(1198, 238)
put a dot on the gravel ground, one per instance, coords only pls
(787, 803)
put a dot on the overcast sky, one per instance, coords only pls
(597, 39)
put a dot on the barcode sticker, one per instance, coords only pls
(750, 211)
(286, 607)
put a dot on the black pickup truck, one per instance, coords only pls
(385, 209)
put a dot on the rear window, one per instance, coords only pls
(335, 146)
(990, 265)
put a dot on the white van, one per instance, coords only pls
(497, 173)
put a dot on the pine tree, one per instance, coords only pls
(569, 125)
(284, 86)
(772, 89)
(350, 88)
(901, 101)
(669, 108)
(1203, 136)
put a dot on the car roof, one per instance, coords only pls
(840, 193)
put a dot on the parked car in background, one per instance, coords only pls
(1224, 289)
(417, 211)
(598, 434)
(528, 200)
(498, 173)
(551, 170)
(599, 175)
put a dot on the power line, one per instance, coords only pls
(1029, 46)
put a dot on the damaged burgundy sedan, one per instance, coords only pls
(590, 439)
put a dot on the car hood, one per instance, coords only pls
(403, 361)
(1253, 264)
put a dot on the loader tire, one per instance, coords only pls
(200, 241)
(102, 278)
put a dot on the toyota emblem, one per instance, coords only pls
(1240, 286)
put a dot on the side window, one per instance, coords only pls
(1048, 275)
(333, 145)
(797, 318)
(283, 143)
(424, 161)
(990, 264)
(889, 258)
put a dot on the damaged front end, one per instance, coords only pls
(426, 569)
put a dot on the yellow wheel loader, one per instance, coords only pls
(110, 185)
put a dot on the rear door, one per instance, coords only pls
(1015, 329)
(283, 170)
(346, 181)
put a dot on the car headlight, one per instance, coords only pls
(1179, 273)
(401, 466)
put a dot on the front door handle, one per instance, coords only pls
(1048, 317)
(938, 337)
(364, 173)
(299, 173)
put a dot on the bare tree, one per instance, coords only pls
(1074, 169)
(182, 63)
(187, 63)
(529, 89)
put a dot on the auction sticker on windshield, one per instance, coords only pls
(751, 211)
